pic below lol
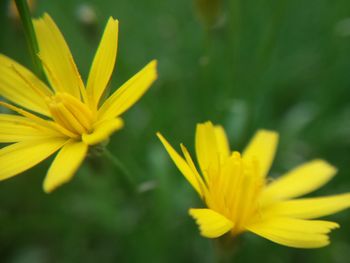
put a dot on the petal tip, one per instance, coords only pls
(159, 135)
(46, 16)
(154, 67)
(270, 133)
(114, 20)
(49, 186)
(326, 166)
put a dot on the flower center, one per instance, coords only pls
(235, 189)
(71, 113)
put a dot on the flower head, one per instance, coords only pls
(67, 116)
(239, 197)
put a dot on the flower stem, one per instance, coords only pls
(226, 248)
(127, 177)
(24, 13)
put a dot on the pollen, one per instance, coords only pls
(71, 113)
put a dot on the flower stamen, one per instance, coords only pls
(71, 113)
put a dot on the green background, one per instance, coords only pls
(281, 65)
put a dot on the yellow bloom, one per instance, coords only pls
(240, 198)
(68, 117)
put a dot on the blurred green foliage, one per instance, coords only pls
(281, 65)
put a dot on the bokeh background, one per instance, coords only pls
(281, 65)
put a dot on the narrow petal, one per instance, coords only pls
(309, 208)
(181, 164)
(262, 147)
(130, 92)
(21, 156)
(20, 86)
(66, 163)
(211, 224)
(206, 147)
(103, 64)
(300, 181)
(47, 124)
(102, 131)
(14, 128)
(190, 163)
(56, 57)
(222, 142)
(296, 233)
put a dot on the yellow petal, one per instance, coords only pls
(309, 208)
(15, 128)
(21, 156)
(262, 147)
(46, 124)
(190, 163)
(206, 147)
(103, 65)
(296, 233)
(222, 142)
(22, 87)
(211, 224)
(181, 164)
(131, 91)
(102, 131)
(67, 161)
(57, 59)
(301, 180)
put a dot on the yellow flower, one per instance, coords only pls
(240, 198)
(68, 117)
